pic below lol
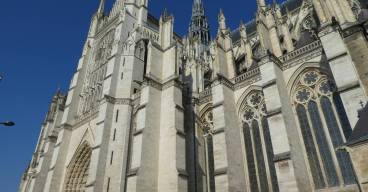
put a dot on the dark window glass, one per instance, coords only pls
(211, 163)
(114, 136)
(259, 156)
(250, 158)
(270, 154)
(117, 116)
(342, 115)
(337, 140)
(310, 148)
(108, 184)
(324, 149)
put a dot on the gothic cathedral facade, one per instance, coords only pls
(262, 108)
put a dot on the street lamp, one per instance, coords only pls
(7, 123)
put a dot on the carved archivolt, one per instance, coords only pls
(77, 173)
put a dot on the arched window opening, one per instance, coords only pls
(141, 52)
(258, 144)
(77, 173)
(326, 155)
(313, 160)
(337, 140)
(322, 126)
(207, 128)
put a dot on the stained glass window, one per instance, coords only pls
(311, 78)
(207, 127)
(310, 148)
(261, 168)
(312, 89)
(269, 148)
(250, 158)
(211, 163)
(337, 140)
(303, 95)
(342, 115)
(324, 150)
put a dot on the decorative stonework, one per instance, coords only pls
(313, 84)
(207, 121)
(253, 107)
(96, 72)
(77, 174)
(118, 101)
(147, 33)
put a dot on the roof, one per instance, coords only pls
(360, 132)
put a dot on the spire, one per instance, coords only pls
(101, 7)
(199, 28)
(222, 20)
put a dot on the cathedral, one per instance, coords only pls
(266, 107)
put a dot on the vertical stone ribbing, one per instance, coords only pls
(228, 156)
(291, 171)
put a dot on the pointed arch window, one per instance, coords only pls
(258, 145)
(323, 124)
(207, 128)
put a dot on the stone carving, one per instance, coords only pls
(77, 174)
(96, 71)
(207, 121)
(254, 107)
(311, 85)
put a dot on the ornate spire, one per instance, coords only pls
(199, 28)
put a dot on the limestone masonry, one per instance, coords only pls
(266, 107)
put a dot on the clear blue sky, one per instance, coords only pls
(40, 43)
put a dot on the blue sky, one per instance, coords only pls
(40, 43)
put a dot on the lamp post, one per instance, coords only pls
(7, 123)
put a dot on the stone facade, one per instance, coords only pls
(260, 108)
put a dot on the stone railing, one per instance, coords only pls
(205, 96)
(296, 53)
(246, 75)
(205, 93)
(148, 33)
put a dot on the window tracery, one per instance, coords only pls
(207, 128)
(92, 90)
(314, 95)
(77, 174)
(258, 144)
